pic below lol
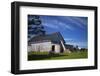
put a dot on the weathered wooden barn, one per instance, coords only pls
(48, 43)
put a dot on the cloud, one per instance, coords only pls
(69, 27)
(50, 26)
(63, 22)
(56, 24)
(78, 22)
(81, 20)
(65, 26)
(71, 21)
(68, 39)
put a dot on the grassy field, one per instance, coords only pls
(47, 56)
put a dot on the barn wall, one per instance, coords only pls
(57, 48)
(29, 48)
(42, 47)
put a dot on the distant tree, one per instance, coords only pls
(35, 26)
(83, 49)
(76, 48)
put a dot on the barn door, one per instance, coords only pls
(53, 48)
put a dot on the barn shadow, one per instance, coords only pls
(43, 57)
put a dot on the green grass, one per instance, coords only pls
(47, 56)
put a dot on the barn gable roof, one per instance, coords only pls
(54, 37)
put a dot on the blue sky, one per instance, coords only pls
(72, 28)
